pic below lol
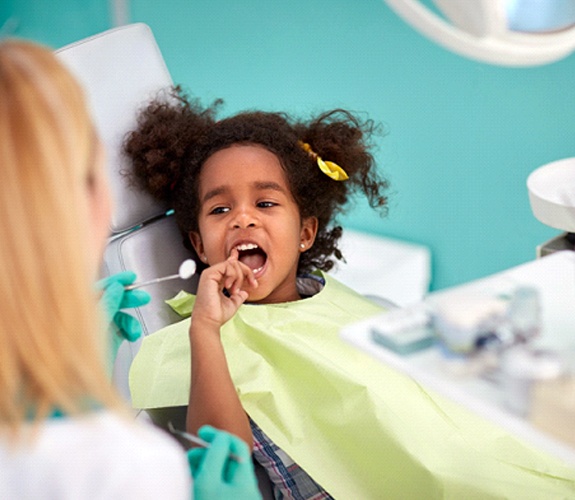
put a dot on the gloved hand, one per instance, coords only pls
(116, 297)
(216, 475)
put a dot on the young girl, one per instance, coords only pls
(256, 195)
(257, 202)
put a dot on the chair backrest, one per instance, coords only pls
(121, 70)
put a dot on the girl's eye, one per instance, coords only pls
(219, 210)
(266, 204)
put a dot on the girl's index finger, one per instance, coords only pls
(234, 255)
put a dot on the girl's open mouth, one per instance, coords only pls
(252, 256)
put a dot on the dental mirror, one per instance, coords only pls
(186, 271)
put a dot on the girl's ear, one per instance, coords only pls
(308, 232)
(196, 240)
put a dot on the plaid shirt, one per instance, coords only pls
(289, 480)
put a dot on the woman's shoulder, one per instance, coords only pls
(134, 440)
(110, 454)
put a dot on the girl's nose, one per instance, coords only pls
(244, 218)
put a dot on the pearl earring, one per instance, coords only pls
(302, 245)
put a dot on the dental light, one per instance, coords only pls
(502, 32)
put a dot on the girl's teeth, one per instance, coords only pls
(246, 246)
(257, 270)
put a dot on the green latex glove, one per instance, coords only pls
(216, 475)
(114, 298)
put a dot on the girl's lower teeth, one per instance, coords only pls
(257, 270)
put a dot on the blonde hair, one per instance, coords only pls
(51, 340)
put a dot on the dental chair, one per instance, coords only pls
(121, 70)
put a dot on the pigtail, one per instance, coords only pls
(340, 137)
(159, 148)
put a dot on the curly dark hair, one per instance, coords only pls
(175, 136)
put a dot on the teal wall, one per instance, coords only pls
(461, 136)
(54, 22)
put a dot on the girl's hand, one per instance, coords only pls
(212, 306)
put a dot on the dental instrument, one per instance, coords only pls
(186, 271)
(197, 440)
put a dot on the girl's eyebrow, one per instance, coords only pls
(274, 186)
(214, 192)
(260, 186)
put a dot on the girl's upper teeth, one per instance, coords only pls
(246, 246)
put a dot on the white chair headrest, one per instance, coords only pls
(121, 70)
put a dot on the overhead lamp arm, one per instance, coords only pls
(479, 31)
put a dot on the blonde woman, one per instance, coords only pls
(63, 432)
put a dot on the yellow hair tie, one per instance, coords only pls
(329, 168)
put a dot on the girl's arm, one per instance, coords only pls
(213, 397)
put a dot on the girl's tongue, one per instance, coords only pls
(254, 259)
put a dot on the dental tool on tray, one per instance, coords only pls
(197, 440)
(186, 271)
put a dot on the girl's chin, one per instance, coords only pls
(262, 296)
(256, 296)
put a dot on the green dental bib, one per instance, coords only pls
(360, 429)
